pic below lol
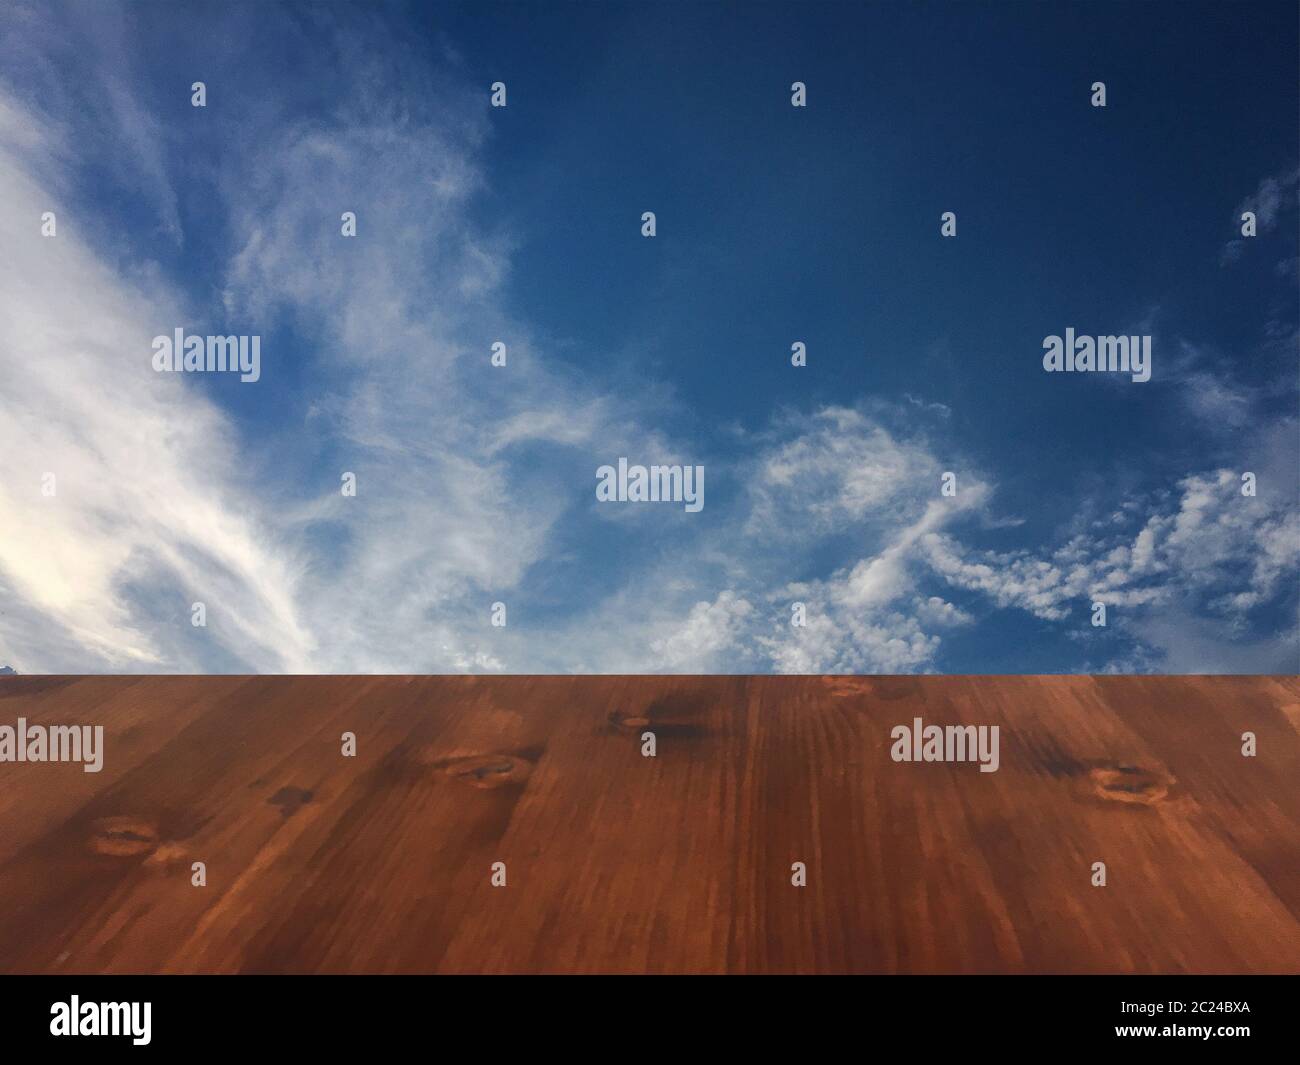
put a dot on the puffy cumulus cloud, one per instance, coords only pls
(1237, 549)
(708, 632)
(1231, 552)
(938, 612)
(839, 469)
(867, 616)
(839, 641)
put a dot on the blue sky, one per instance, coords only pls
(775, 224)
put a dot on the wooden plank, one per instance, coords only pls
(615, 862)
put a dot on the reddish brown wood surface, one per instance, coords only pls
(678, 863)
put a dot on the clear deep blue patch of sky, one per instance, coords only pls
(821, 224)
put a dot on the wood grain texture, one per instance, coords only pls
(678, 863)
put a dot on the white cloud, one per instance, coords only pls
(1274, 195)
(1230, 551)
(938, 612)
(1271, 200)
(146, 481)
(710, 630)
(839, 469)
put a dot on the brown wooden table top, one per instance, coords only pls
(681, 862)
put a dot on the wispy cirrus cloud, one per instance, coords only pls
(138, 487)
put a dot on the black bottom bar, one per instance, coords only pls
(342, 1014)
